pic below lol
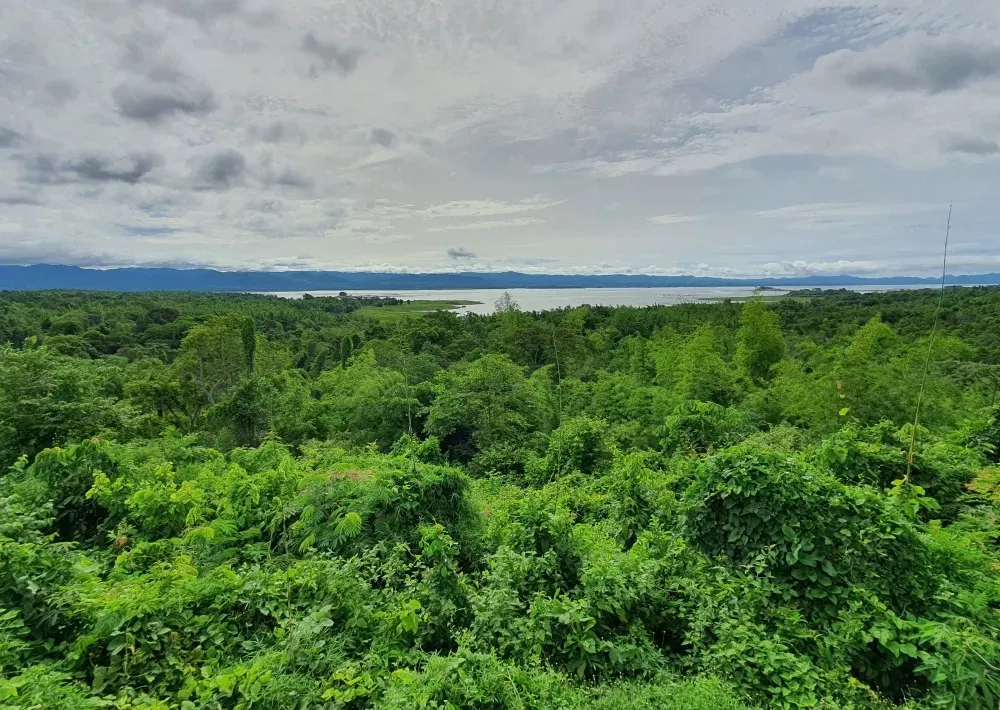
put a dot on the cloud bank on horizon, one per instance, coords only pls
(733, 137)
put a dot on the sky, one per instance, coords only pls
(732, 138)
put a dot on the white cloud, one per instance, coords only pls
(674, 219)
(800, 132)
(819, 268)
(834, 215)
(492, 224)
(486, 208)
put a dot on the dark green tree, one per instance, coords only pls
(484, 403)
(346, 350)
(244, 417)
(248, 334)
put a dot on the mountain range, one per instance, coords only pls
(49, 276)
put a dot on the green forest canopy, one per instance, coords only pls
(234, 501)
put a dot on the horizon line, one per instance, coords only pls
(533, 274)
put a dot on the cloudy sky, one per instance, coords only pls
(727, 137)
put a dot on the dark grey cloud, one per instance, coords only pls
(48, 169)
(9, 138)
(287, 176)
(162, 93)
(131, 168)
(278, 132)
(384, 137)
(147, 231)
(205, 12)
(275, 133)
(931, 66)
(292, 178)
(59, 91)
(973, 145)
(52, 251)
(461, 253)
(331, 56)
(142, 51)
(201, 11)
(264, 18)
(41, 169)
(221, 170)
(266, 205)
(19, 200)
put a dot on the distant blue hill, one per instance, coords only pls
(47, 276)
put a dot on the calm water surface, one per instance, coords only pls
(540, 299)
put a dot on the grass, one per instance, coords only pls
(412, 308)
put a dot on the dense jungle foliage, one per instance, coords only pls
(223, 501)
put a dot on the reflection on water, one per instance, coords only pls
(540, 299)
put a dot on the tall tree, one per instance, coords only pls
(246, 413)
(760, 344)
(506, 304)
(367, 403)
(216, 355)
(702, 373)
(248, 333)
(213, 357)
(48, 399)
(486, 402)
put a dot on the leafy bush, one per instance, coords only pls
(579, 444)
(700, 427)
(816, 536)
(877, 456)
(48, 399)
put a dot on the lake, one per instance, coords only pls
(540, 299)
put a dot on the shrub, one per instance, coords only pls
(700, 427)
(818, 537)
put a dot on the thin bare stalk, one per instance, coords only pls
(930, 349)
(555, 348)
